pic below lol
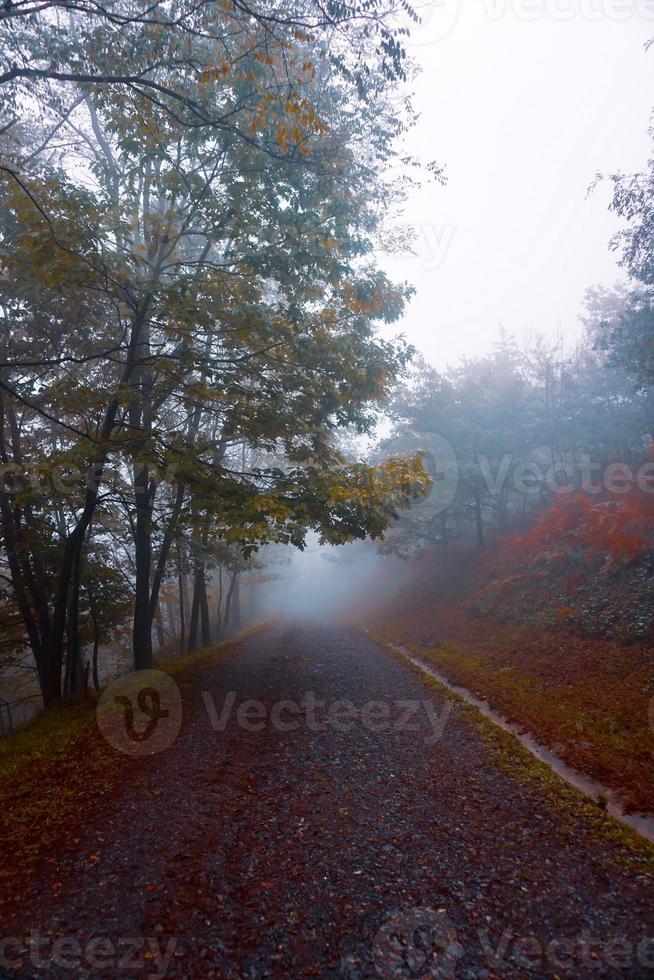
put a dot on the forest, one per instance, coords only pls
(188, 306)
(320, 655)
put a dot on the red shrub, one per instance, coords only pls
(617, 530)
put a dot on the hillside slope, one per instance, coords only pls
(555, 631)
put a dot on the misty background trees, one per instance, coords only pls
(526, 426)
(531, 425)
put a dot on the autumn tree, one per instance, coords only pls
(197, 288)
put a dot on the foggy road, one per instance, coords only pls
(326, 813)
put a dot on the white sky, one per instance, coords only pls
(523, 104)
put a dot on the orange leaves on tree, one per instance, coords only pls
(215, 73)
(618, 531)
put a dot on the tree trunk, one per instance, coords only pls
(161, 639)
(162, 560)
(142, 636)
(236, 604)
(72, 551)
(182, 598)
(230, 596)
(219, 604)
(73, 675)
(96, 644)
(479, 522)
(75, 540)
(204, 615)
(171, 618)
(29, 598)
(195, 615)
(48, 642)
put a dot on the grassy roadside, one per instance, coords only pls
(58, 773)
(587, 700)
(632, 849)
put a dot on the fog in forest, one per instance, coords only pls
(327, 582)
